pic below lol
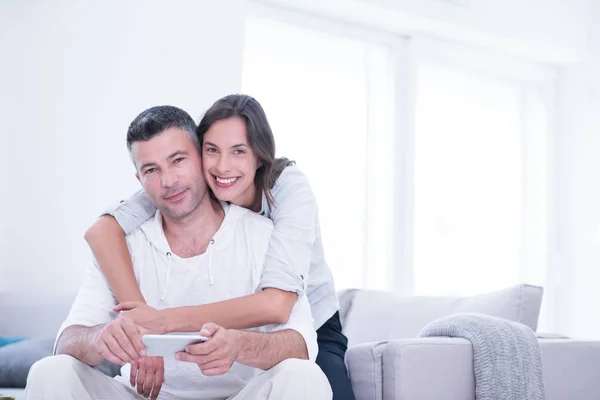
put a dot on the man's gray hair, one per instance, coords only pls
(154, 121)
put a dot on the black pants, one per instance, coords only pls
(332, 350)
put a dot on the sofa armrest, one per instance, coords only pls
(571, 368)
(442, 369)
(428, 369)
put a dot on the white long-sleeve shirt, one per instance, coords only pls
(231, 267)
(295, 259)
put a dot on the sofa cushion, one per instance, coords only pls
(33, 317)
(373, 316)
(4, 340)
(17, 358)
(441, 368)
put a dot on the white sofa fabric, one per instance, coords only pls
(386, 360)
(372, 315)
(442, 369)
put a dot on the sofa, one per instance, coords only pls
(385, 358)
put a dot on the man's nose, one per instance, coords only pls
(169, 179)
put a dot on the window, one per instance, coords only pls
(480, 183)
(429, 159)
(467, 182)
(316, 88)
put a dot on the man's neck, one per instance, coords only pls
(190, 236)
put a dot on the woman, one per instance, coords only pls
(239, 165)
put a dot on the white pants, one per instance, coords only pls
(64, 377)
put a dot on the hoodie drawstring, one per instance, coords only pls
(210, 275)
(168, 275)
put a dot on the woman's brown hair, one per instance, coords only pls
(258, 131)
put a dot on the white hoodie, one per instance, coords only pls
(231, 267)
(295, 259)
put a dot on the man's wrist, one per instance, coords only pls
(81, 342)
(93, 337)
(238, 339)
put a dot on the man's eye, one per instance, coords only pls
(149, 171)
(178, 160)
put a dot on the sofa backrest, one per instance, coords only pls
(33, 316)
(366, 315)
(369, 315)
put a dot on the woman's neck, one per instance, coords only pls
(251, 199)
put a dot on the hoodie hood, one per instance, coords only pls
(154, 232)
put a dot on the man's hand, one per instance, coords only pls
(120, 341)
(143, 315)
(149, 373)
(216, 355)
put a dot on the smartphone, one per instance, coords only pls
(169, 344)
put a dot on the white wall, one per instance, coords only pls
(72, 77)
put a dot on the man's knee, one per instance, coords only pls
(298, 366)
(53, 370)
(304, 372)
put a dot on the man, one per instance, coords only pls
(194, 251)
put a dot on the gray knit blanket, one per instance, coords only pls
(507, 358)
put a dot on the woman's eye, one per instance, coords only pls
(211, 150)
(238, 152)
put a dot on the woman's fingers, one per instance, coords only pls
(128, 305)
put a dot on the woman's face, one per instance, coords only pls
(229, 163)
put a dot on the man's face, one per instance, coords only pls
(169, 168)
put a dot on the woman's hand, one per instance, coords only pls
(144, 315)
(149, 374)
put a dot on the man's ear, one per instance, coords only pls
(137, 175)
